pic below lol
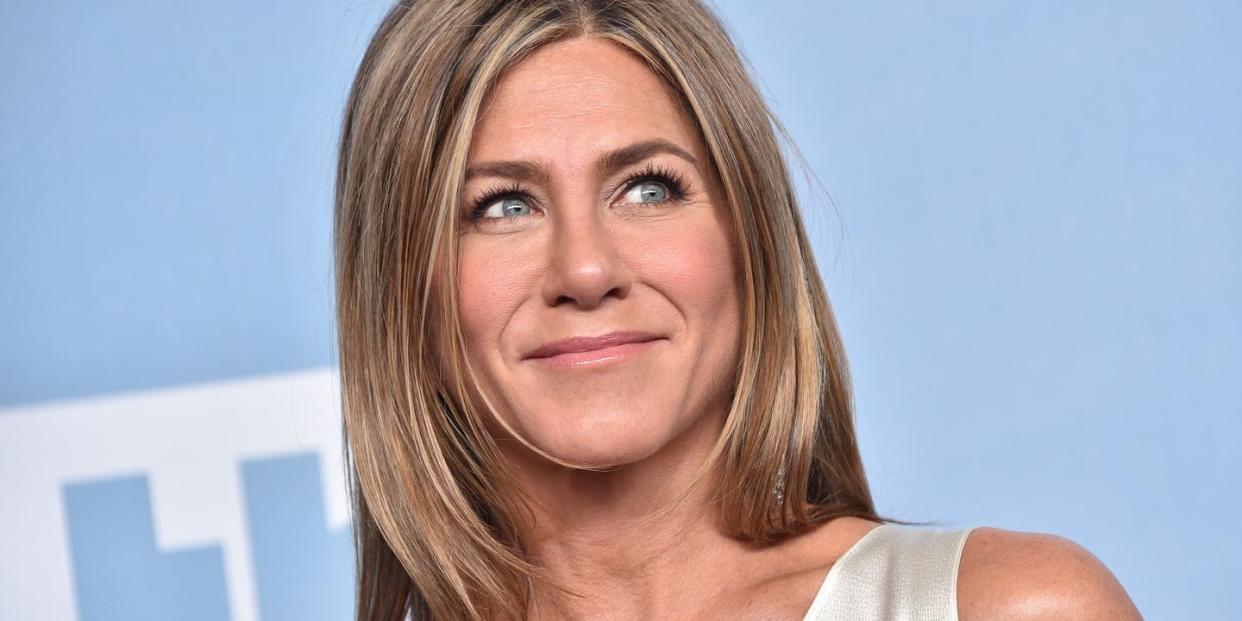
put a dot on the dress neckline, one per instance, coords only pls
(821, 596)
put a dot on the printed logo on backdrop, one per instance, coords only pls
(215, 501)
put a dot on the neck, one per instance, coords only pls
(621, 539)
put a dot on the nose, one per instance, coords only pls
(584, 267)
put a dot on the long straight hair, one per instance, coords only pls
(433, 510)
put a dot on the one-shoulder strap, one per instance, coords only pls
(894, 572)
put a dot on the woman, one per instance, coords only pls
(588, 366)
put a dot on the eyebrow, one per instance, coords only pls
(534, 171)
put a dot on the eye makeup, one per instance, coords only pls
(657, 173)
(650, 173)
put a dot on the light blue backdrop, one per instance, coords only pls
(1032, 246)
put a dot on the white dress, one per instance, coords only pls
(893, 572)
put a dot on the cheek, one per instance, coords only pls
(491, 285)
(692, 265)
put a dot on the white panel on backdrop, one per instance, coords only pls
(189, 442)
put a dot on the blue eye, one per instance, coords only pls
(648, 192)
(510, 207)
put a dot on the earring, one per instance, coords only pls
(779, 490)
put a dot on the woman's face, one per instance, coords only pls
(599, 295)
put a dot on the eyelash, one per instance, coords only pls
(672, 180)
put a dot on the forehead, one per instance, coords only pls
(574, 98)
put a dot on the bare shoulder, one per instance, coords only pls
(1033, 576)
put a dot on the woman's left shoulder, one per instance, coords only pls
(1025, 576)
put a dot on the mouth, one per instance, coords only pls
(583, 351)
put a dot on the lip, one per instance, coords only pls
(591, 350)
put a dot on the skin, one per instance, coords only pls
(581, 252)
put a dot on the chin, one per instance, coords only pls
(600, 435)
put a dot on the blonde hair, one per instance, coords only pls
(433, 510)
